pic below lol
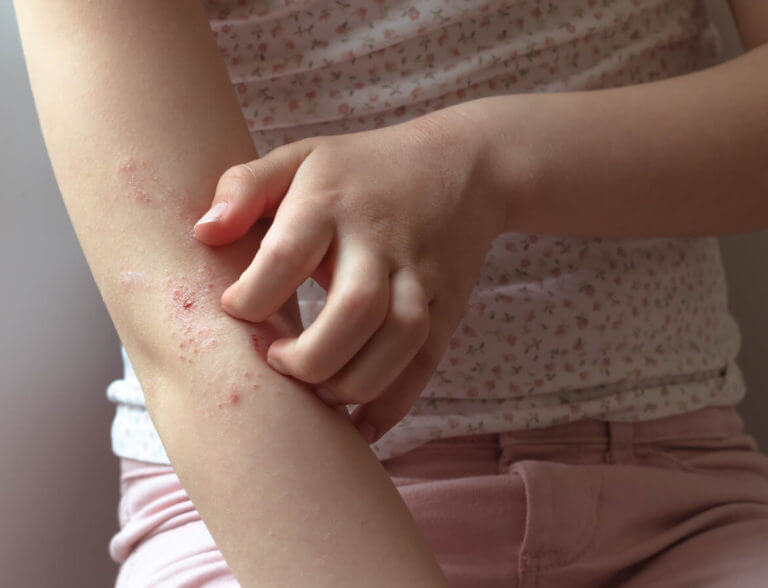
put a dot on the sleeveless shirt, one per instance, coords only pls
(557, 328)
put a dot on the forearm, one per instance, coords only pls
(684, 156)
(140, 120)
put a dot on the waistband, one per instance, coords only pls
(711, 422)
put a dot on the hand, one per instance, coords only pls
(394, 223)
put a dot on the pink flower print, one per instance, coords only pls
(508, 416)
(276, 30)
(472, 392)
(525, 262)
(241, 89)
(490, 385)
(390, 66)
(511, 340)
(536, 12)
(413, 13)
(584, 375)
(452, 422)
(289, 44)
(441, 39)
(514, 389)
(293, 104)
(453, 344)
(469, 331)
(454, 360)
(311, 95)
(582, 322)
(342, 28)
(399, 111)
(334, 93)
(262, 47)
(343, 108)
(389, 33)
(568, 367)
(429, 58)
(530, 316)
(362, 11)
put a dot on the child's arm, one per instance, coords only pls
(140, 120)
(683, 156)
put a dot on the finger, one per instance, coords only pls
(249, 191)
(392, 347)
(388, 409)
(292, 248)
(356, 306)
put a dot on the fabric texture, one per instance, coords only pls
(680, 501)
(557, 329)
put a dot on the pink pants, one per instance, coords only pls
(680, 501)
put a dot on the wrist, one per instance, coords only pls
(506, 162)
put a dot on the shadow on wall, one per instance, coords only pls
(59, 489)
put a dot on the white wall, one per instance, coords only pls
(58, 350)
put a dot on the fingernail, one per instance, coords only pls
(327, 396)
(276, 364)
(214, 214)
(367, 430)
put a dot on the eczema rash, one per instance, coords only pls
(193, 311)
(140, 182)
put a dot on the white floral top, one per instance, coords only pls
(557, 328)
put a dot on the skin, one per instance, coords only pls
(399, 253)
(290, 492)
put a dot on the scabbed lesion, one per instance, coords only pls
(193, 307)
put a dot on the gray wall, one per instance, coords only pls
(58, 350)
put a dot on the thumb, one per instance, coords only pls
(249, 191)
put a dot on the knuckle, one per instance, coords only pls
(359, 299)
(413, 318)
(237, 175)
(306, 368)
(281, 251)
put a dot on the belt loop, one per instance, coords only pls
(620, 443)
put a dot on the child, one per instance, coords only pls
(513, 208)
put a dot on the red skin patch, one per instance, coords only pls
(257, 345)
(133, 181)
